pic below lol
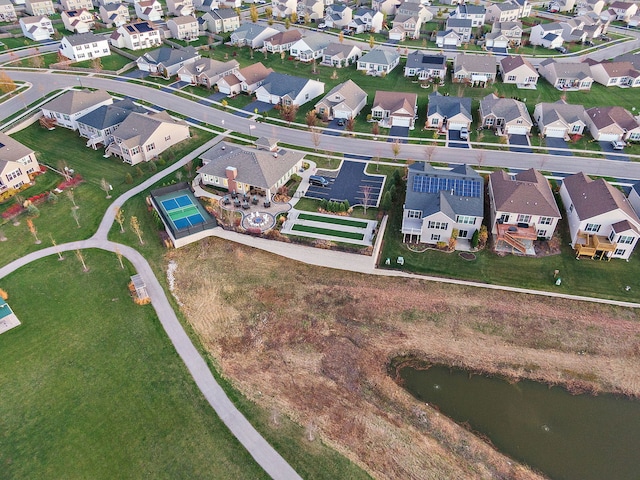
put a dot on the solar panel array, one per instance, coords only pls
(460, 187)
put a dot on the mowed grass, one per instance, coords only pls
(92, 387)
(335, 220)
(327, 231)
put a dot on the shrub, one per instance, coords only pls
(139, 172)
(347, 206)
(128, 179)
(324, 203)
(52, 197)
(475, 239)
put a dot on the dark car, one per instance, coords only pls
(340, 122)
(318, 181)
(561, 50)
(347, 32)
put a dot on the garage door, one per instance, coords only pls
(451, 41)
(555, 132)
(401, 122)
(517, 130)
(456, 126)
(608, 137)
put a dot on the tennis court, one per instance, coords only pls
(182, 212)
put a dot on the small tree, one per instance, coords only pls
(386, 202)
(253, 13)
(341, 37)
(119, 255)
(311, 118)
(372, 41)
(395, 149)
(287, 23)
(104, 185)
(483, 236)
(366, 196)
(188, 167)
(36, 61)
(375, 129)
(288, 112)
(316, 137)
(350, 125)
(139, 172)
(347, 206)
(76, 216)
(118, 216)
(80, 257)
(7, 85)
(96, 64)
(224, 104)
(429, 152)
(475, 239)
(53, 242)
(128, 179)
(34, 230)
(71, 196)
(135, 226)
(294, 17)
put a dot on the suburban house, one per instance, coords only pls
(345, 100)
(17, 163)
(602, 222)
(68, 5)
(560, 119)
(566, 75)
(37, 28)
(136, 36)
(282, 41)
(242, 169)
(7, 11)
(502, 12)
(475, 13)
(506, 116)
(518, 70)
(180, 8)
(448, 113)
(140, 138)
(73, 104)
(98, 125)
(283, 8)
(84, 46)
(624, 10)
(337, 15)
(309, 48)
(150, 10)
(585, 6)
(312, 10)
(366, 20)
(207, 72)
(607, 124)
(246, 80)
(462, 27)
(548, 35)
(448, 38)
(440, 201)
(395, 109)
(184, 28)
(221, 20)
(114, 14)
(279, 88)
(405, 26)
(522, 210)
(426, 66)
(476, 70)
(621, 74)
(511, 30)
(386, 7)
(561, 6)
(414, 9)
(251, 35)
(341, 55)
(167, 61)
(496, 42)
(378, 61)
(38, 8)
(78, 21)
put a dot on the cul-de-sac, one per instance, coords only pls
(319, 239)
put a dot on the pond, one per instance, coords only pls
(564, 436)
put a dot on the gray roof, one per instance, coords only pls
(169, 56)
(281, 84)
(527, 193)
(561, 110)
(84, 38)
(449, 106)
(471, 9)
(426, 61)
(249, 31)
(459, 22)
(339, 49)
(224, 13)
(348, 92)
(380, 56)
(316, 42)
(475, 63)
(634, 58)
(110, 115)
(591, 198)
(210, 68)
(447, 202)
(259, 168)
(507, 108)
(75, 101)
(11, 150)
(556, 69)
(515, 61)
(136, 129)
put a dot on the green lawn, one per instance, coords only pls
(327, 231)
(334, 220)
(92, 387)
(111, 62)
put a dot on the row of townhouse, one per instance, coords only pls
(442, 203)
(578, 29)
(618, 10)
(124, 129)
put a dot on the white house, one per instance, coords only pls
(114, 14)
(279, 88)
(310, 48)
(180, 7)
(378, 61)
(167, 61)
(17, 164)
(7, 11)
(78, 21)
(150, 10)
(39, 7)
(136, 36)
(184, 28)
(345, 100)
(84, 46)
(73, 104)
(69, 5)
(37, 28)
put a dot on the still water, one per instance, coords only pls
(564, 436)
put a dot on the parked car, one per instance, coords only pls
(618, 145)
(340, 122)
(561, 50)
(464, 133)
(604, 38)
(588, 43)
(322, 26)
(318, 181)
(346, 31)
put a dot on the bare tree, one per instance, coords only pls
(395, 149)
(34, 230)
(179, 175)
(118, 216)
(75, 215)
(71, 196)
(55, 245)
(429, 152)
(119, 255)
(64, 170)
(106, 187)
(311, 431)
(481, 157)
(366, 196)
(316, 137)
(135, 226)
(189, 168)
(96, 64)
(80, 257)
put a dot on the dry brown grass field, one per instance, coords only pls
(315, 344)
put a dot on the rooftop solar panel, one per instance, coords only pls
(460, 187)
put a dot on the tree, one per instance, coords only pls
(76, 216)
(287, 23)
(341, 37)
(366, 197)
(253, 13)
(307, 18)
(63, 62)
(375, 129)
(316, 137)
(189, 168)
(350, 125)
(6, 83)
(96, 64)
(224, 103)
(429, 152)
(135, 226)
(128, 179)
(372, 41)
(311, 118)
(80, 257)
(179, 176)
(288, 112)
(118, 216)
(395, 149)
(294, 17)
(386, 201)
(475, 239)
(268, 12)
(64, 170)
(104, 185)
(119, 255)
(71, 196)
(36, 61)
(53, 242)
(34, 230)
(483, 236)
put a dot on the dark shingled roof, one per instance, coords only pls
(528, 193)
(595, 197)
(110, 115)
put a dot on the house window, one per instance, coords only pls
(592, 227)
(167, 138)
(435, 238)
(576, 129)
(634, 136)
(619, 252)
(414, 214)
(466, 219)
(151, 146)
(545, 220)
(625, 239)
(435, 121)
(571, 208)
(511, 78)
(524, 218)
(463, 233)
(438, 225)
(490, 121)
(15, 174)
(541, 233)
(612, 236)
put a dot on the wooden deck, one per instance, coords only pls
(594, 246)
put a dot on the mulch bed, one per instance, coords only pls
(467, 256)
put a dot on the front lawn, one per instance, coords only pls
(111, 62)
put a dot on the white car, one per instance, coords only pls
(618, 145)
(464, 133)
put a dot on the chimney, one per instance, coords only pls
(232, 173)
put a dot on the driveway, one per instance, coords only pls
(350, 183)
(333, 125)
(454, 140)
(216, 97)
(401, 132)
(520, 140)
(557, 143)
(261, 106)
(613, 154)
(179, 84)
(135, 73)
